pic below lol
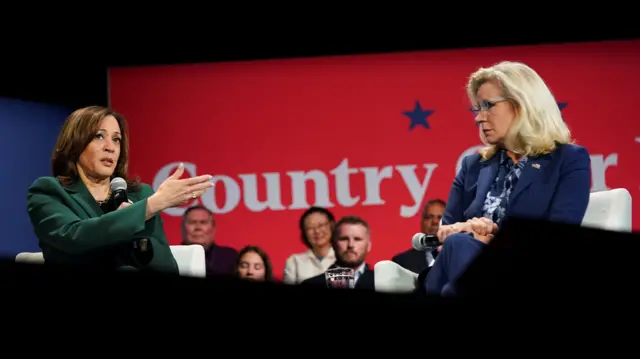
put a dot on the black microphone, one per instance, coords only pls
(119, 191)
(119, 195)
(423, 242)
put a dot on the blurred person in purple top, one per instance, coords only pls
(199, 227)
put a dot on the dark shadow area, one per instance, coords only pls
(528, 263)
(542, 260)
(70, 69)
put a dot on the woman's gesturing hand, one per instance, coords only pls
(175, 191)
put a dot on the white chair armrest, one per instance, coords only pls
(609, 210)
(31, 258)
(391, 277)
(191, 260)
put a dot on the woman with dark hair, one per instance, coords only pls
(316, 225)
(74, 215)
(253, 264)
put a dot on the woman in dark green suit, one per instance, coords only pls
(72, 212)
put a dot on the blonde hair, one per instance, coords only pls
(538, 126)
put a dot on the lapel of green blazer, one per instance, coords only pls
(79, 193)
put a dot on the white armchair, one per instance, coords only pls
(609, 210)
(190, 259)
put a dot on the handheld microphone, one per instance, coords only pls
(119, 191)
(424, 242)
(119, 195)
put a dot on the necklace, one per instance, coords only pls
(106, 199)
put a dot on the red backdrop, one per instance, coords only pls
(343, 121)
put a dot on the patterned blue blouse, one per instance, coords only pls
(495, 204)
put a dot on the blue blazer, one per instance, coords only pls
(553, 187)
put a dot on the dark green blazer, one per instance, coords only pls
(73, 230)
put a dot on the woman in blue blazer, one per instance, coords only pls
(529, 168)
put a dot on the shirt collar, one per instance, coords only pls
(505, 160)
(330, 255)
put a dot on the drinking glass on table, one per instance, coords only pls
(340, 277)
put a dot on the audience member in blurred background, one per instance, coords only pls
(351, 241)
(418, 261)
(316, 227)
(529, 168)
(254, 264)
(199, 227)
(74, 215)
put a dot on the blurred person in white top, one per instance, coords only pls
(316, 225)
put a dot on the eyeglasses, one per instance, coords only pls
(486, 105)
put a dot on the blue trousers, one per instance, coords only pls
(458, 252)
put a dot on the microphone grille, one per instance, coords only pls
(415, 241)
(118, 183)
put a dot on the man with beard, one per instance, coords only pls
(351, 242)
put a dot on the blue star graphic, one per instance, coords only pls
(418, 116)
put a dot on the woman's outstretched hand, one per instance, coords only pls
(174, 191)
